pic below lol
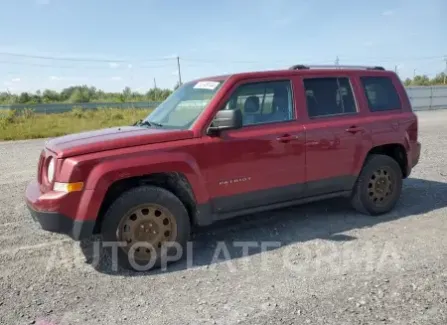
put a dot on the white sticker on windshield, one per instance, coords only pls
(211, 85)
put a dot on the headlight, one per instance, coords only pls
(50, 170)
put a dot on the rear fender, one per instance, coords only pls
(404, 142)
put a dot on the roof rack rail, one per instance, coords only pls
(357, 67)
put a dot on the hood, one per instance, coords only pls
(112, 138)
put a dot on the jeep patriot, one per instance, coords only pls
(230, 145)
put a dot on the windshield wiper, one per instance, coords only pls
(147, 123)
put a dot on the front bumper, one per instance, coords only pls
(52, 220)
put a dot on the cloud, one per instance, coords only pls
(388, 13)
(15, 80)
(114, 65)
(129, 66)
(55, 78)
(116, 78)
(368, 44)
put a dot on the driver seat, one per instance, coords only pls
(251, 110)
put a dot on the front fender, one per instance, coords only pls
(104, 174)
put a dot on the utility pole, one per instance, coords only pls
(155, 84)
(395, 69)
(445, 71)
(337, 61)
(179, 73)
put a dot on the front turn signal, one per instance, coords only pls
(68, 187)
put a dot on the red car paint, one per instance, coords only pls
(247, 160)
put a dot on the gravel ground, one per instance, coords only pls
(330, 265)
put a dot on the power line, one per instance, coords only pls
(199, 60)
(383, 59)
(206, 60)
(78, 67)
(78, 59)
(217, 61)
(391, 59)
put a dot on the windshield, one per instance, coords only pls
(184, 105)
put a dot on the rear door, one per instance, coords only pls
(391, 119)
(263, 162)
(336, 136)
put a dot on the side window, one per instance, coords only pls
(263, 102)
(381, 94)
(329, 96)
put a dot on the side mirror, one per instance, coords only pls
(226, 120)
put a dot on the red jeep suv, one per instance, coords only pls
(225, 146)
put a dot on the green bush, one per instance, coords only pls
(27, 113)
(7, 117)
(78, 112)
(29, 125)
(117, 116)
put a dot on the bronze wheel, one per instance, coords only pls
(378, 186)
(381, 186)
(140, 221)
(149, 226)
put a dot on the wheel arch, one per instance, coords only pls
(175, 182)
(177, 172)
(396, 151)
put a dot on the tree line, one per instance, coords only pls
(83, 94)
(423, 80)
(86, 94)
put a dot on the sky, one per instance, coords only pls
(111, 44)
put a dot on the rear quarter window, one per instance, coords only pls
(381, 94)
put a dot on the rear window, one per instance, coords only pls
(381, 94)
(329, 96)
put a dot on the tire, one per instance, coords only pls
(369, 195)
(127, 219)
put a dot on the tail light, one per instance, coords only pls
(413, 130)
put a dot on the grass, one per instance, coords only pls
(25, 124)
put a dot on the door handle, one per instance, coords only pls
(355, 129)
(287, 138)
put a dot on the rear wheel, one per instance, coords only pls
(145, 228)
(378, 186)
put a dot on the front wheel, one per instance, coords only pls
(145, 228)
(378, 186)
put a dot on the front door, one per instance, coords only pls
(336, 138)
(264, 161)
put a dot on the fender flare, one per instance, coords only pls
(104, 174)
